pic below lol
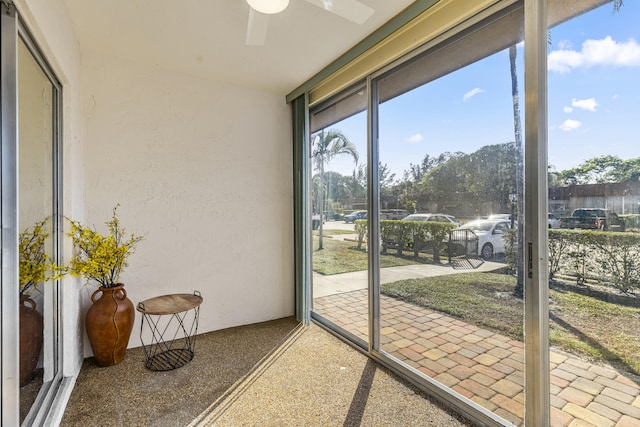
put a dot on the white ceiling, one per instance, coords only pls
(206, 38)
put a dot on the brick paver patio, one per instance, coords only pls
(486, 367)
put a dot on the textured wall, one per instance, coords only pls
(204, 170)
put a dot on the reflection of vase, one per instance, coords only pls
(31, 338)
(109, 323)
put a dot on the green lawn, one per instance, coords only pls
(483, 299)
(583, 322)
(339, 256)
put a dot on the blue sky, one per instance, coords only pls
(594, 99)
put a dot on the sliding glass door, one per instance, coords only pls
(502, 200)
(37, 212)
(594, 202)
(339, 252)
(451, 141)
(31, 228)
(435, 270)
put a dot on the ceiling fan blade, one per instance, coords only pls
(352, 10)
(257, 28)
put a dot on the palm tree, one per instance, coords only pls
(517, 128)
(326, 145)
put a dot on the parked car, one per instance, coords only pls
(352, 217)
(393, 213)
(553, 220)
(505, 217)
(490, 233)
(432, 217)
(593, 219)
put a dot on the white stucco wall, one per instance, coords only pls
(203, 168)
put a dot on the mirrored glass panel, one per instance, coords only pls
(450, 144)
(35, 211)
(340, 260)
(594, 204)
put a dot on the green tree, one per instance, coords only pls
(326, 145)
(601, 170)
(337, 186)
(386, 177)
(629, 170)
(448, 180)
(408, 189)
(387, 189)
(359, 182)
(478, 183)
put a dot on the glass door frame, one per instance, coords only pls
(359, 86)
(9, 215)
(43, 409)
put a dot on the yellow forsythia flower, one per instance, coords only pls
(34, 260)
(100, 258)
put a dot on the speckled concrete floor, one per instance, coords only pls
(269, 374)
(317, 380)
(130, 395)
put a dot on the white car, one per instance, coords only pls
(431, 217)
(506, 217)
(490, 233)
(553, 221)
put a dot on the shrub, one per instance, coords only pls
(435, 233)
(361, 230)
(396, 234)
(510, 249)
(618, 259)
(611, 258)
(419, 234)
(631, 221)
(559, 243)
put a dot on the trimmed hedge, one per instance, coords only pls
(609, 258)
(409, 236)
(631, 221)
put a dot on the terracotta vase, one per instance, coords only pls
(109, 323)
(31, 338)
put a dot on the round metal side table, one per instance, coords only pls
(169, 339)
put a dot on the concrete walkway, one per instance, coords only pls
(347, 282)
(483, 366)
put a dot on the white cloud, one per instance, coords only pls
(570, 125)
(565, 44)
(595, 52)
(567, 109)
(415, 138)
(472, 93)
(586, 104)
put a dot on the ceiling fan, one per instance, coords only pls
(260, 10)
